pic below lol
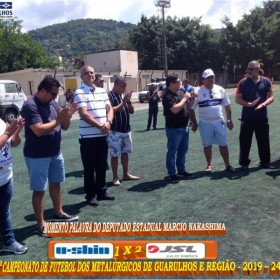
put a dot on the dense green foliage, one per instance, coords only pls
(194, 46)
(19, 51)
(190, 44)
(77, 37)
(256, 36)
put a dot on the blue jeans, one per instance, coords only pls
(6, 228)
(177, 143)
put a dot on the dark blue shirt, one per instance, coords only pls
(153, 101)
(251, 91)
(189, 88)
(48, 145)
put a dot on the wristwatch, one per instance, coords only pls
(110, 122)
(228, 120)
(7, 134)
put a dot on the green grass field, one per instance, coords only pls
(247, 202)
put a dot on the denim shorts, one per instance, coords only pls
(213, 133)
(119, 143)
(43, 171)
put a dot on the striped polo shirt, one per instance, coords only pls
(95, 100)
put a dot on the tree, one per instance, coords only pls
(146, 39)
(18, 51)
(79, 62)
(255, 37)
(190, 44)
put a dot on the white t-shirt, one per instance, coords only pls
(210, 109)
(6, 163)
(95, 102)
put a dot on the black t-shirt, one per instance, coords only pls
(121, 118)
(174, 120)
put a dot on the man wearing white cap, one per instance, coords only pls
(212, 125)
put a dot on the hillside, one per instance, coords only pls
(77, 37)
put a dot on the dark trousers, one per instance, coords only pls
(153, 112)
(94, 152)
(261, 129)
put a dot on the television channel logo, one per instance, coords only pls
(6, 10)
(173, 251)
(83, 250)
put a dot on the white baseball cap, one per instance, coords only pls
(207, 73)
(2, 127)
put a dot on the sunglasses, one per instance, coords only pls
(89, 72)
(101, 81)
(211, 95)
(251, 69)
(54, 94)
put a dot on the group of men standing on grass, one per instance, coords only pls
(254, 93)
(105, 121)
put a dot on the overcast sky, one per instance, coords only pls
(37, 13)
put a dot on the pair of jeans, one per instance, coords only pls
(261, 129)
(94, 152)
(6, 228)
(177, 146)
(153, 112)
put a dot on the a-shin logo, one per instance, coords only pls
(6, 10)
(83, 250)
(175, 250)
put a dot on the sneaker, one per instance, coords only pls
(41, 233)
(16, 248)
(65, 218)
(174, 179)
(185, 175)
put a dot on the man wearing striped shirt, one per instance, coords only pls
(119, 140)
(96, 116)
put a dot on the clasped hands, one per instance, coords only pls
(15, 126)
(67, 111)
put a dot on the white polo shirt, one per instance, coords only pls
(95, 102)
(210, 110)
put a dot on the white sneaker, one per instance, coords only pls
(16, 248)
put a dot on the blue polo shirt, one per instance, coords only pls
(251, 91)
(189, 88)
(48, 145)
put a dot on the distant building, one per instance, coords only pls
(110, 64)
(123, 62)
